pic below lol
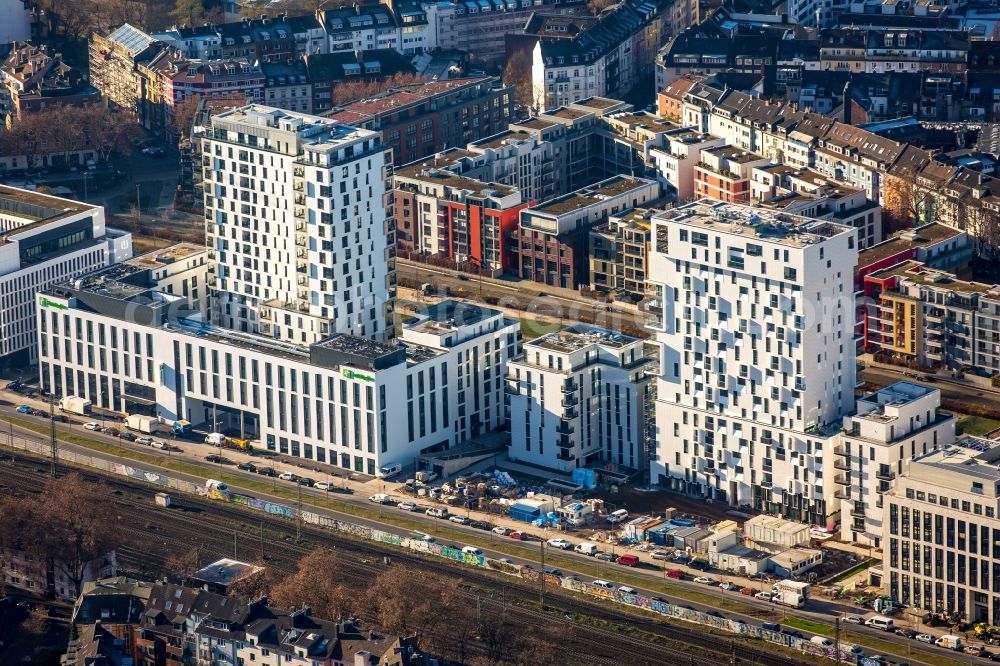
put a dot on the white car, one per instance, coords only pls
(854, 619)
(408, 506)
(379, 498)
(323, 485)
(729, 585)
(144, 440)
(92, 426)
(763, 596)
(624, 589)
(660, 554)
(461, 520)
(502, 531)
(286, 476)
(562, 544)
(603, 584)
(924, 638)
(158, 445)
(706, 580)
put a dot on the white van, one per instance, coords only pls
(472, 550)
(389, 471)
(435, 512)
(212, 484)
(822, 641)
(586, 548)
(617, 516)
(604, 584)
(880, 622)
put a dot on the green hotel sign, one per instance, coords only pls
(46, 303)
(350, 374)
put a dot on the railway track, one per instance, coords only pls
(213, 527)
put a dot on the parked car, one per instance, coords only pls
(562, 544)
(794, 633)
(91, 425)
(24, 409)
(323, 485)
(216, 458)
(143, 440)
(247, 467)
(287, 476)
(127, 436)
(660, 554)
(518, 536)
(480, 524)
(729, 585)
(706, 580)
(771, 626)
(905, 633)
(924, 638)
(114, 432)
(157, 444)
(266, 471)
(628, 560)
(305, 481)
(379, 498)
(461, 520)
(607, 557)
(625, 589)
(437, 512)
(676, 574)
(854, 619)
(763, 596)
(502, 531)
(408, 506)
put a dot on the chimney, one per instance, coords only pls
(847, 102)
(362, 658)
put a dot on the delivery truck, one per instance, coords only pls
(75, 405)
(790, 593)
(142, 423)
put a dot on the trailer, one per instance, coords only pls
(163, 499)
(141, 423)
(790, 593)
(74, 405)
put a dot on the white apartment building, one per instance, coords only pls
(889, 427)
(300, 245)
(577, 398)
(753, 313)
(45, 240)
(943, 534)
(676, 160)
(120, 339)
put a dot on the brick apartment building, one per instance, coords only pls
(420, 119)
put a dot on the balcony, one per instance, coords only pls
(570, 413)
(511, 388)
(766, 484)
(842, 479)
(565, 429)
(565, 456)
(842, 494)
(840, 451)
(570, 386)
(857, 513)
(570, 400)
(842, 465)
(885, 475)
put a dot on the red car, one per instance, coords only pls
(675, 573)
(628, 560)
(520, 536)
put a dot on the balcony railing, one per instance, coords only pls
(842, 479)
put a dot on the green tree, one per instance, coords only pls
(189, 12)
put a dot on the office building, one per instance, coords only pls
(300, 243)
(943, 537)
(45, 240)
(888, 428)
(578, 398)
(128, 341)
(752, 312)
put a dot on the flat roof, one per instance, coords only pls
(358, 346)
(35, 209)
(428, 171)
(578, 336)
(535, 123)
(751, 222)
(929, 234)
(167, 255)
(497, 140)
(969, 456)
(919, 273)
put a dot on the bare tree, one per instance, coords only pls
(906, 203)
(982, 225)
(318, 583)
(595, 7)
(349, 92)
(254, 586)
(517, 72)
(181, 565)
(407, 603)
(188, 12)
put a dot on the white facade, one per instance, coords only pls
(121, 341)
(675, 161)
(577, 398)
(889, 428)
(753, 314)
(298, 236)
(45, 240)
(15, 17)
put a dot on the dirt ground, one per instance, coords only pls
(638, 502)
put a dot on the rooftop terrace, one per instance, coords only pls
(578, 336)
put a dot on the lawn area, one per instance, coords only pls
(532, 328)
(977, 425)
(809, 625)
